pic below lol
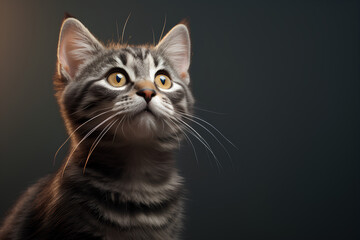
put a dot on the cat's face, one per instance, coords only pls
(136, 93)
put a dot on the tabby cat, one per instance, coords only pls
(124, 108)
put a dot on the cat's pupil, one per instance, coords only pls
(118, 77)
(162, 79)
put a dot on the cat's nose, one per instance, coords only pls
(147, 94)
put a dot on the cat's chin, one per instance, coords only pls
(143, 126)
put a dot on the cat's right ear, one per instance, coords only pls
(76, 45)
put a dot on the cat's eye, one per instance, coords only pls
(117, 79)
(163, 81)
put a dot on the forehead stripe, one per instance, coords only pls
(129, 51)
(156, 60)
(123, 58)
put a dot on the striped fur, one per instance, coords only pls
(127, 187)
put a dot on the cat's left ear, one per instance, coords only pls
(76, 45)
(176, 47)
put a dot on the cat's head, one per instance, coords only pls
(136, 92)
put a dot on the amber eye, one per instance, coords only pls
(163, 81)
(116, 79)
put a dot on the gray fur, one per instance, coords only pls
(128, 188)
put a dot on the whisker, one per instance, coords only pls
(212, 126)
(97, 141)
(209, 111)
(122, 126)
(87, 135)
(193, 147)
(207, 148)
(162, 31)
(172, 127)
(84, 108)
(222, 145)
(97, 138)
(191, 143)
(194, 133)
(187, 139)
(123, 31)
(117, 31)
(117, 128)
(75, 131)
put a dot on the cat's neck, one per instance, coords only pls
(128, 162)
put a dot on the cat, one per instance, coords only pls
(124, 108)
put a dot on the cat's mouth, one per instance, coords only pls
(147, 111)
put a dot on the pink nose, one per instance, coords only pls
(146, 93)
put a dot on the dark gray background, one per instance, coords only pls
(284, 73)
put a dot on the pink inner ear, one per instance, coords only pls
(176, 46)
(178, 52)
(66, 54)
(70, 52)
(76, 45)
